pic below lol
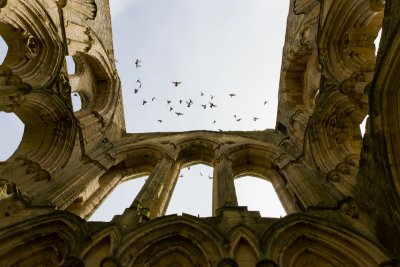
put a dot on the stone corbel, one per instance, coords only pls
(12, 90)
(349, 208)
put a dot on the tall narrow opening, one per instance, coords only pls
(71, 69)
(258, 194)
(193, 192)
(118, 200)
(3, 50)
(363, 125)
(377, 41)
(76, 102)
(11, 138)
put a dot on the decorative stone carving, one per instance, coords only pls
(61, 3)
(349, 207)
(12, 90)
(32, 45)
(86, 8)
(63, 86)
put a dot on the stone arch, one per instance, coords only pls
(298, 239)
(253, 159)
(241, 235)
(199, 240)
(196, 150)
(32, 43)
(347, 37)
(58, 235)
(98, 250)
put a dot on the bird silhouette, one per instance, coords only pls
(239, 119)
(144, 102)
(212, 97)
(265, 102)
(180, 101)
(212, 105)
(178, 113)
(255, 118)
(171, 108)
(138, 81)
(181, 175)
(201, 174)
(201, 93)
(136, 90)
(160, 121)
(176, 83)
(234, 116)
(214, 121)
(204, 106)
(168, 102)
(153, 98)
(188, 104)
(232, 95)
(137, 63)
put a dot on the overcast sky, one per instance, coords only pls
(214, 47)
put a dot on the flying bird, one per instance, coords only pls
(178, 113)
(239, 119)
(201, 174)
(136, 90)
(188, 104)
(144, 102)
(265, 102)
(176, 83)
(154, 98)
(180, 101)
(232, 95)
(204, 106)
(168, 102)
(214, 121)
(255, 118)
(171, 108)
(138, 81)
(181, 175)
(137, 63)
(201, 93)
(212, 97)
(209, 177)
(212, 105)
(234, 116)
(160, 121)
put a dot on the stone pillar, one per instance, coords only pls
(154, 197)
(284, 196)
(309, 191)
(224, 193)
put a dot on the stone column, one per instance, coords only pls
(310, 192)
(154, 197)
(224, 193)
(284, 196)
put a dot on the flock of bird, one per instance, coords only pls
(189, 102)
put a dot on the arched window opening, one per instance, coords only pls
(258, 194)
(76, 102)
(11, 138)
(118, 200)
(70, 65)
(193, 192)
(377, 41)
(363, 125)
(3, 50)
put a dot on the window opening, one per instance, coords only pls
(258, 194)
(12, 137)
(193, 192)
(377, 41)
(363, 125)
(3, 50)
(76, 102)
(70, 65)
(118, 200)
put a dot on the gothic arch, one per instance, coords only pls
(242, 232)
(302, 239)
(54, 237)
(37, 42)
(347, 37)
(196, 150)
(197, 237)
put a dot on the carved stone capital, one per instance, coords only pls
(12, 90)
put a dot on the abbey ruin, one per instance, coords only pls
(341, 190)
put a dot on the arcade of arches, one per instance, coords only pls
(340, 190)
